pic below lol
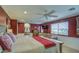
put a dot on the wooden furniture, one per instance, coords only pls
(60, 47)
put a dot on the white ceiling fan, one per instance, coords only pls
(47, 14)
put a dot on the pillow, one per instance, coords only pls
(6, 43)
(12, 36)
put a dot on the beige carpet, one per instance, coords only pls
(66, 49)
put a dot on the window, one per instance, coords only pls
(54, 28)
(60, 28)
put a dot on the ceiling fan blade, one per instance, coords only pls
(51, 12)
(52, 16)
(39, 14)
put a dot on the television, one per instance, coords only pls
(45, 26)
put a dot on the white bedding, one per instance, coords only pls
(27, 44)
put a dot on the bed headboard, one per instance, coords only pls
(2, 29)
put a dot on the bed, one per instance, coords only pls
(27, 44)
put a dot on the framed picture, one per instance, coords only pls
(77, 26)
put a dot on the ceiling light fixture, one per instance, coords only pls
(25, 12)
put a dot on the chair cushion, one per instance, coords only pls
(6, 43)
(12, 36)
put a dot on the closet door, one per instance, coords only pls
(20, 27)
(13, 24)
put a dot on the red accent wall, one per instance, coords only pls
(13, 24)
(20, 27)
(8, 21)
(35, 27)
(72, 27)
(47, 30)
(3, 16)
(38, 27)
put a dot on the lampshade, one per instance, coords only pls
(27, 25)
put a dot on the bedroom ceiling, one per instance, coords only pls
(29, 13)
